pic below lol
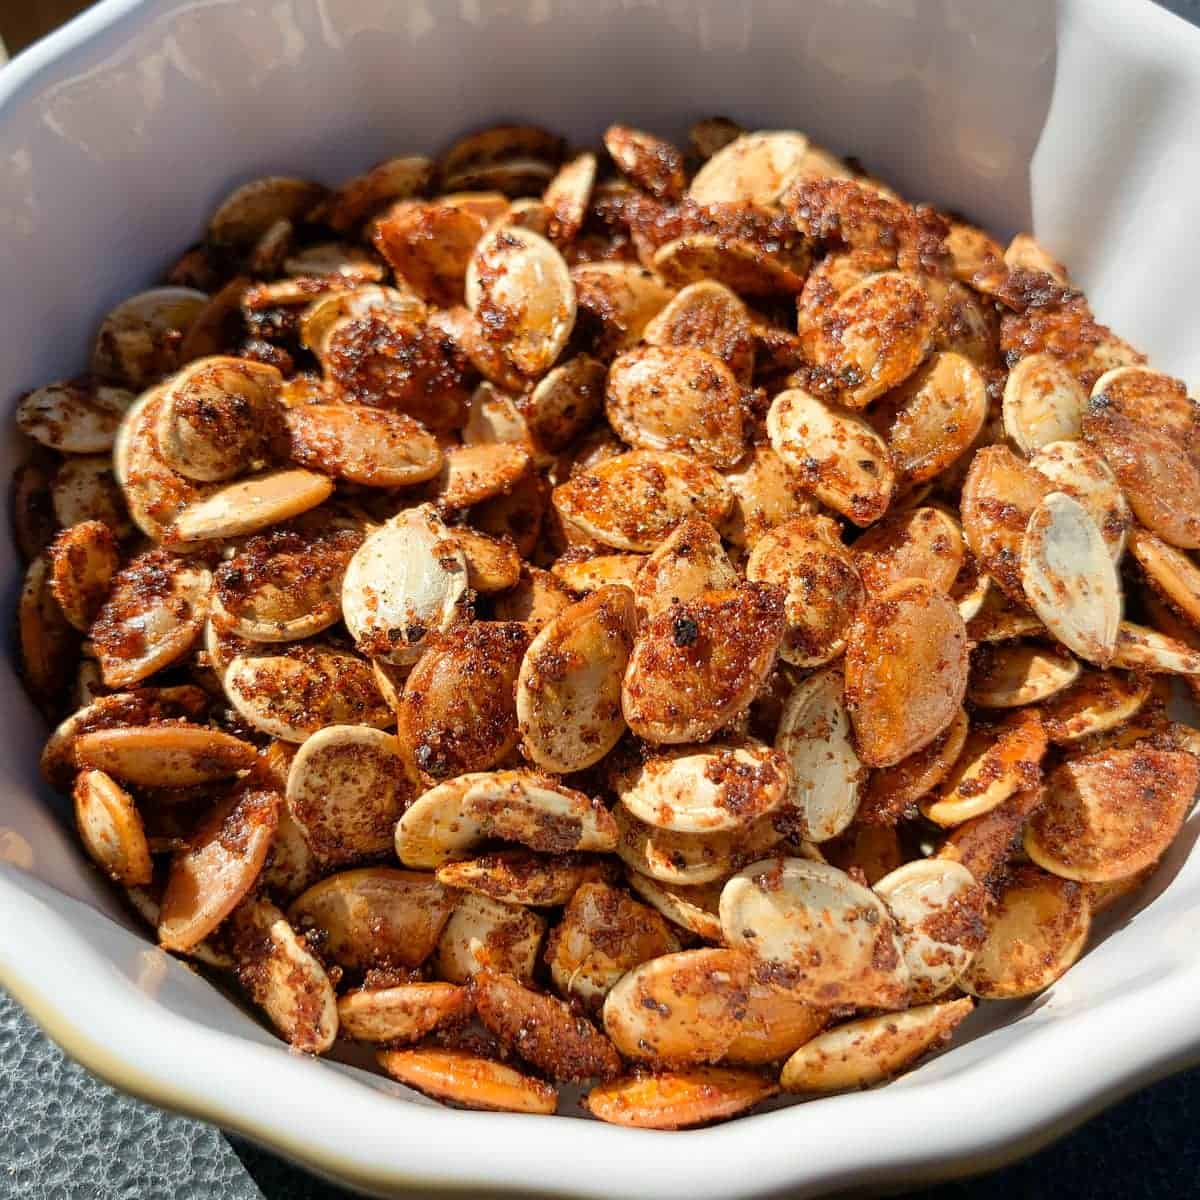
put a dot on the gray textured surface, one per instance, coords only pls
(65, 1136)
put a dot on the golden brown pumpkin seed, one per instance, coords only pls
(766, 492)
(650, 162)
(755, 166)
(705, 789)
(680, 1009)
(369, 446)
(388, 181)
(984, 844)
(1024, 252)
(493, 564)
(1043, 403)
(457, 712)
(139, 707)
(283, 977)
(697, 665)
(687, 563)
(678, 1099)
(154, 492)
(971, 251)
(689, 859)
(517, 516)
(999, 496)
(251, 504)
(1096, 702)
(563, 404)
(543, 1030)
(616, 302)
(859, 212)
(836, 454)
(874, 337)
(836, 273)
(776, 1024)
(406, 581)
(291, 866)
(583, 575)
(346, 788)
(516, 177)
(918, 543)
(871, 1049)
(1070, 579)
(111, 829)
(466, 1079)
(284, 585)
(429, 245)
(403, 1013)
(603, 934)
(891, 791)
(814, 737)
(805, 555)
(811, 928)
(1016, 673)
(293, 694)
(251, 209)
(77, 417)
(209, 879)
(1140, 648)
(536, 598)
(707, 316)
(997, 618)
(567, 197)
(677, 398)
(696, 908)
(387, 360)
(1171, 572)
(331, 265)
(745, 266)
(84, 560)
(1141, 421)
(472, 474)
(994, 764)
(906, 671)
(138, 341)
(85, 489)
(327, 311)
(524, 877)
(1110, 814)
(519, 806)
(569, 686)
(374, 916)
(487, 935)
(632, 501)
(1036, 929)
(173, 754)
(215, 416)
(971, 588)
(938, 908)
(518, 283)
(933, 418)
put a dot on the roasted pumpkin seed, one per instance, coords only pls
(870, 1049)
(811, 928)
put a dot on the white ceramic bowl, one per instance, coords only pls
(118, 134)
